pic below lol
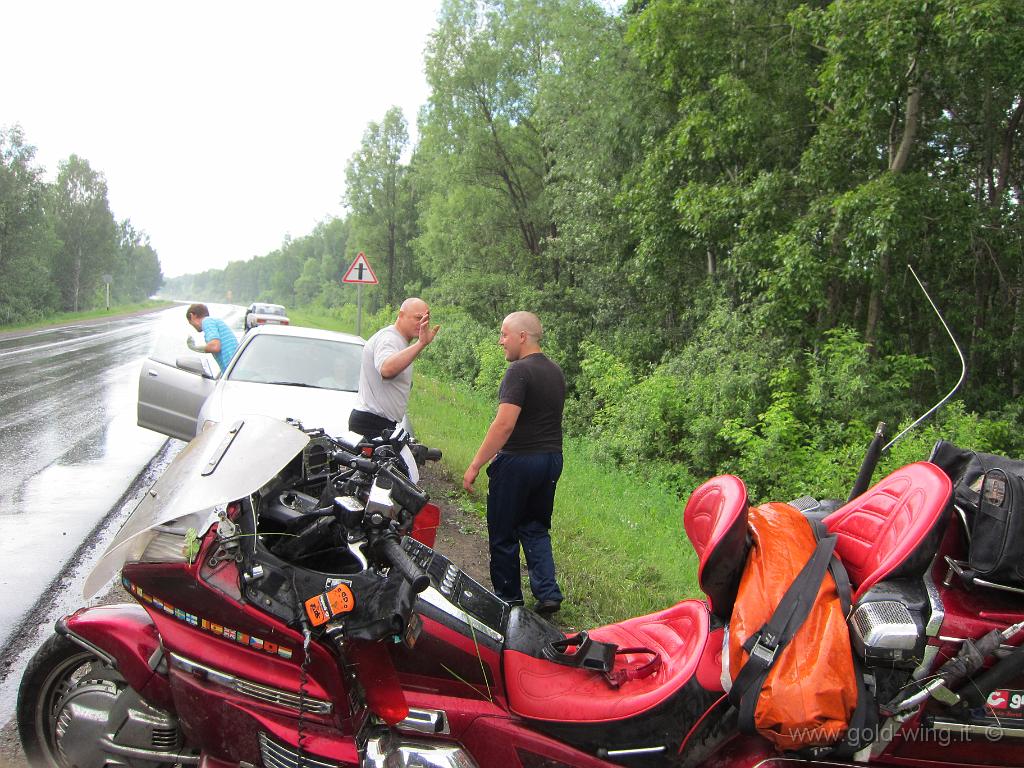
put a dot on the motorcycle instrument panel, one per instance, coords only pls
(459, 588)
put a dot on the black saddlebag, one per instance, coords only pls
(990, 491)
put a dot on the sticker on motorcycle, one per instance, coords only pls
(323, 607)
(1006, 702)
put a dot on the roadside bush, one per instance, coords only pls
(492, 367)
(456, 350)
(602, 382)
(668, 422)
(990, 434)
(846, 383)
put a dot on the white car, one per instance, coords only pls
(279, 370)
(260, 313)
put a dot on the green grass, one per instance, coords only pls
(619, 544)
(60, 318)
(310, 318)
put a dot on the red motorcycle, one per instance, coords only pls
(290, 611)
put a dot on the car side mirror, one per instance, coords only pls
(193, 364)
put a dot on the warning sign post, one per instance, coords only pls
(360, 273)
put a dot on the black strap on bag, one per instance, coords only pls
(600, 657)
(764, 646)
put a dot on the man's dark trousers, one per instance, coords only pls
(520, 499)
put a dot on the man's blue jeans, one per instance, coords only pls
(520, 499)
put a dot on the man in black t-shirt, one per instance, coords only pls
(524, 448)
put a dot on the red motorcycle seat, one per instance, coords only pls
(715, 519)
(880, 530)
(540, 689)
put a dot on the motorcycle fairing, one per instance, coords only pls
(498, 741)
(125, 633)
(539, 689)
(224, 463)
(236, 638)
(424, 527)
(236, 730)
(449, 662)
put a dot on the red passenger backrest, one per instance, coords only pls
(884, 532)
(715, 519)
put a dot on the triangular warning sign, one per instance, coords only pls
(359, 271)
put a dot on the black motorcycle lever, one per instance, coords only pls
(404, 491)
(358, 462)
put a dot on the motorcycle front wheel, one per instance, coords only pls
(64, 702)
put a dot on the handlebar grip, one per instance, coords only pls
(346, 445)
(358, 462)
(422, 454)
(405, 565)
(405, 491)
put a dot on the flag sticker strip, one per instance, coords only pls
(213, 628)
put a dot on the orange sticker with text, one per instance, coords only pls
(322, 608)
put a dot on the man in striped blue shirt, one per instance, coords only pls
(220, 340)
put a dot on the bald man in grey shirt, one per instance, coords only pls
(385, 376)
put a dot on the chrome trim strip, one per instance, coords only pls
(927, 659)
(987, 732)
(431, 596)
(278, 755)
(938, 610)
(434, 721)
(253, 690)
(61, 628)
(783, 760)
(962, 516)
(636, 751)
(152, 755)
(936, 615)
(387, 751)
(1001, 587)
(1003, 647)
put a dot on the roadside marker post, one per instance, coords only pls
(108, 279)
(359, 272)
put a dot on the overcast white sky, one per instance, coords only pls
(221, 126)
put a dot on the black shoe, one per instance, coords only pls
(547, 607)
(515, 601)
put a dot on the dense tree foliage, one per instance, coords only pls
(58, 241)
(86, 229)
(27, 240)
(712, 205)
(379, 196)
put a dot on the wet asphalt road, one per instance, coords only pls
(73, 463)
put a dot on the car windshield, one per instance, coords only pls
(269, 309)
(299, 361)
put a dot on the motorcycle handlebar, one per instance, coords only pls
(399, 559)
(422, 454)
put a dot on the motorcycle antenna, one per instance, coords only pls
(963, 368)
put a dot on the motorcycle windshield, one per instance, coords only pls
(226, 462)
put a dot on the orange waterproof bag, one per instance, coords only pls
(794, 679)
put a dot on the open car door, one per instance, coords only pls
(170, 396)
